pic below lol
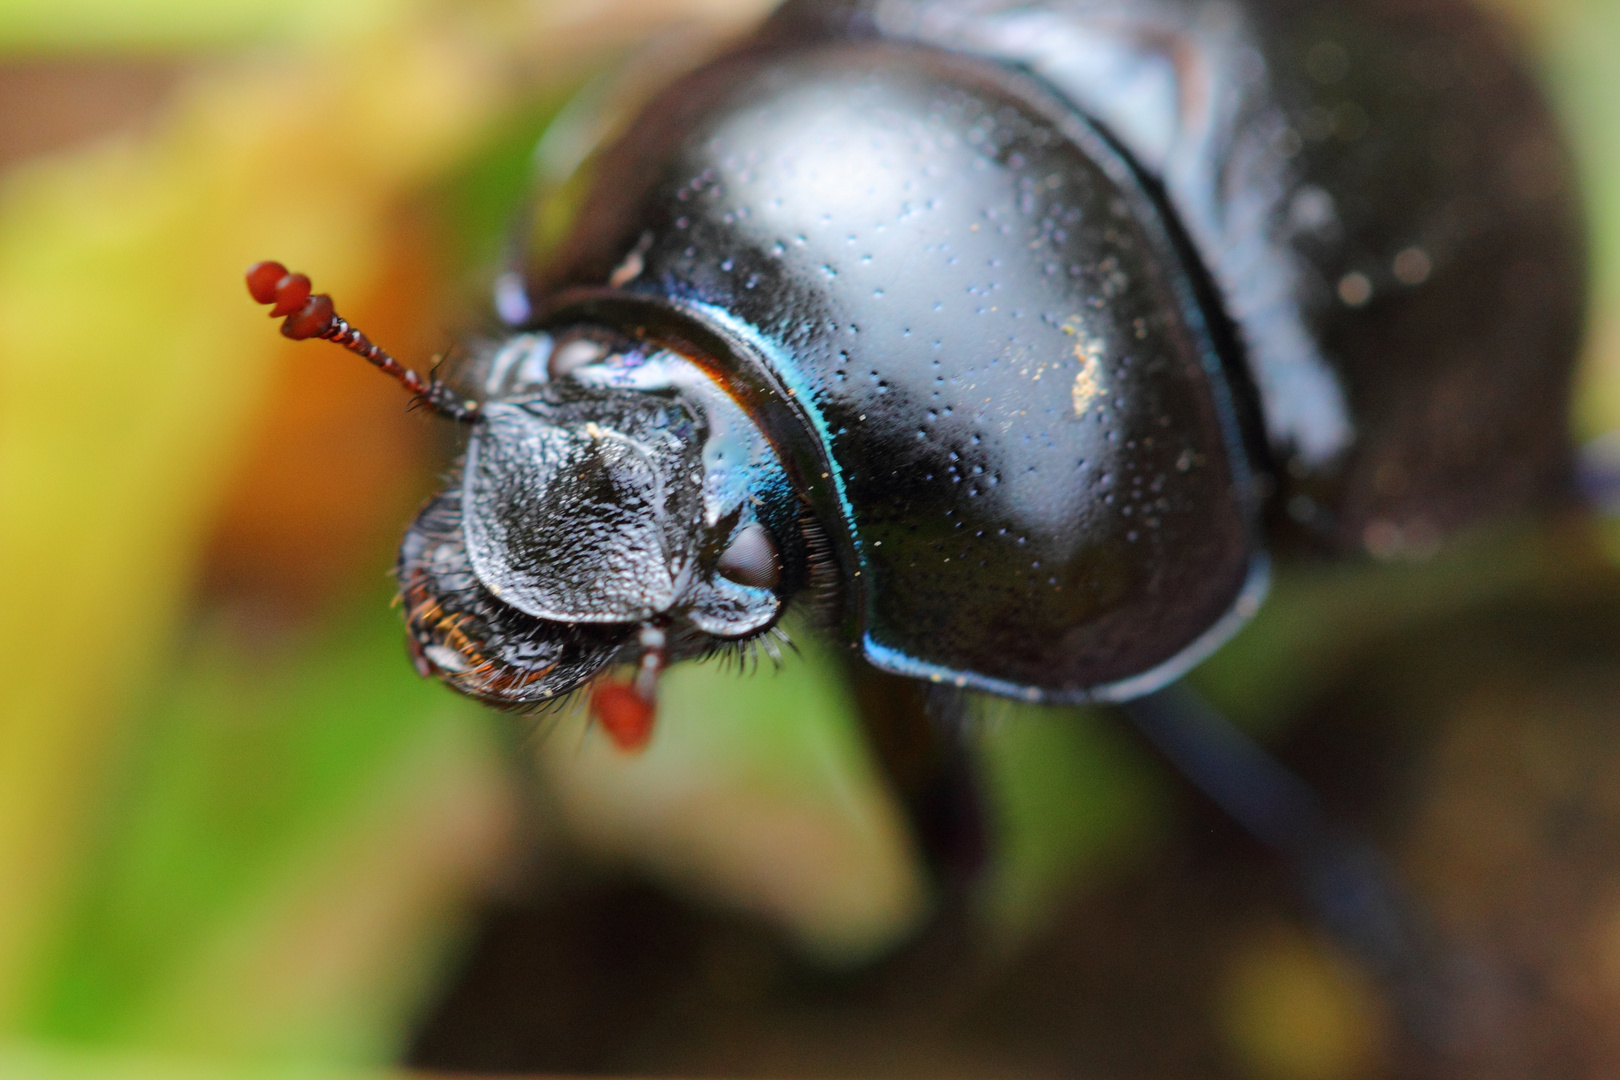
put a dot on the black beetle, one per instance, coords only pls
(1008, 329)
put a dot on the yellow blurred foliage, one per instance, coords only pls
(24, 1062)
(132, 370)
(1292, 1008)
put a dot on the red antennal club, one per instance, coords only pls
(311, 315)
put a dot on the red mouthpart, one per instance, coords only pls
(627, 710)
(624, 714)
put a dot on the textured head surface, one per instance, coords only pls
(586, 510)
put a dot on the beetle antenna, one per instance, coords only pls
(313, 316)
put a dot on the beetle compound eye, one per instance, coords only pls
(751, 559)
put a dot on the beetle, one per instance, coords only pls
(1013, 333)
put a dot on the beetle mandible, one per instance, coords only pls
(1010, 330)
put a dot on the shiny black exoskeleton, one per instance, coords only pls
(1007, 328)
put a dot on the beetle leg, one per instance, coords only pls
(923, 741)
(654, 658)
(626, 711)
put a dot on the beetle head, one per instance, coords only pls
(615, 504)
(608, 488)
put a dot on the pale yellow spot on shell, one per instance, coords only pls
(1088, 380)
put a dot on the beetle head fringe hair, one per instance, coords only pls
(743, 655)
(822, 597)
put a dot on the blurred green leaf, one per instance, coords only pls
(757, 791)
(1072, 798)
(175, 896)
(247, 767)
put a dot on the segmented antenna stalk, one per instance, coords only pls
(312, 315)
